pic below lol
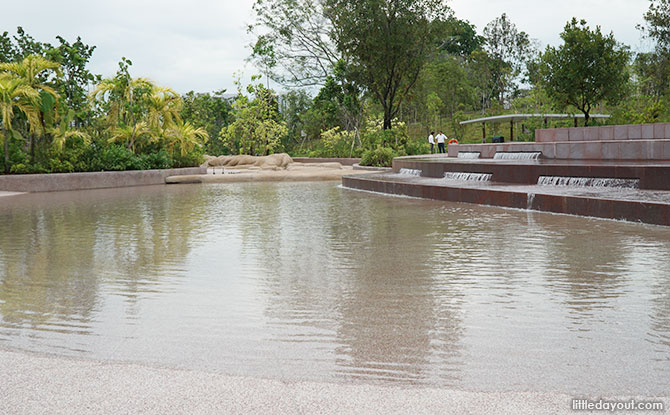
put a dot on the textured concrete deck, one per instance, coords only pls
(37, 384)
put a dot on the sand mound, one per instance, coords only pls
(271, 162)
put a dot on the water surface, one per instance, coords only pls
(316, 282)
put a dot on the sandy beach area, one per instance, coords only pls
(32, 383)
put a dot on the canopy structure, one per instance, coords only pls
(512, 118)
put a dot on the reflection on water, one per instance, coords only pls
(312, 281)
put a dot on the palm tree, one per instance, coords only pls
(186, 136)
(164, 108)
(63, 132)
(119, 93)
(15, 93)
(32, 70)
(123, 112)
(130, 133)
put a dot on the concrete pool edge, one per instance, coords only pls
(633, 211)
(35, 383)
(90, 180)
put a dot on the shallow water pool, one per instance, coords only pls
(311, 281)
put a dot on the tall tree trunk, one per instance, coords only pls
(31, 146)
(4, 132)
(387, 118)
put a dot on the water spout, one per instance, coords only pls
(409, 172)
(463, 176)
(468, 155)
(534, 155)
(588, 182)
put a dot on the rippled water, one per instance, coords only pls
(317, 282)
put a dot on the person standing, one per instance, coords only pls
(441, 138)
(431, 141)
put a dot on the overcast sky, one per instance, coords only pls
(200, 44)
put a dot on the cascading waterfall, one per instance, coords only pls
(464, 176)
(410, 172)
(588, 182)
(529, 201)
(518, 155)
(468, 155)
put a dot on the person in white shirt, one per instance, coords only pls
(441, 138)
(431, 141)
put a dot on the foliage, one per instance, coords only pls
(587, 69)
(337, 143)
(72, 59)
(209, 111)
(296, 45)
(652, 72)
(379, 157)
(388, 42)
(508, 49)
(455, 37)
(16, 94)
(640, 110)
(657, 27)
(256, 129)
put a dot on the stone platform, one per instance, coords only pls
(644, 206)
(653, 175)
(637, 155)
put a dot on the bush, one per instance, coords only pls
(157, 160)
(379, 157)
(118, 158)
(192, 159)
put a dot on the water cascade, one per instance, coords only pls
(525, 155)
(464, 176)
(468, 155)
(409, 172)
(588, 182)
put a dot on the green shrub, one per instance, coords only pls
(158, 160)
(192, 159)
(379, 157)
(118, 158)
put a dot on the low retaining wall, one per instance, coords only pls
(656, 149)
(371, 168)
(90, 180)
(342, 161)
(604, 133)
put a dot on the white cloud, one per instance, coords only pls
(196, 45)
(545, 19)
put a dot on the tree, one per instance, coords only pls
(456, 37)
(257, 129)
(587, 69)
(652, 69)
(128, 103)
(73, 85)
(296, 46)
(15, 93)
(34, 70)
(658, 24)
(386, 43)
(209, 111)
(164, 108)
(508, 49)
(186, 137)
